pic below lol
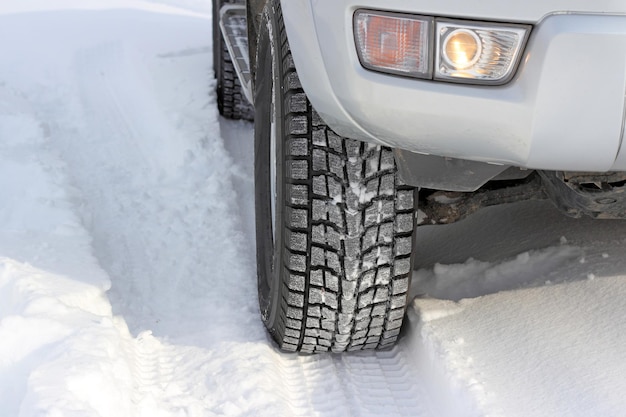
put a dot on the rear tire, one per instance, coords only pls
(334, 222)
(231, 101)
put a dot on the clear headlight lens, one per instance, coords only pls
(394, 43)
(477, 52)
(459, 51)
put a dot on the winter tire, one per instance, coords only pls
(231, 101)
(334, 223)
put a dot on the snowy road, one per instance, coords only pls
(127, 271)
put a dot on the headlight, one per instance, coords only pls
(440, 49)
(461, 49)
(479, 53)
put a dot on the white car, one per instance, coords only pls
(359, 103)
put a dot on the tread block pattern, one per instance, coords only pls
(349, 225)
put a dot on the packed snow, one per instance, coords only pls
(127, 266)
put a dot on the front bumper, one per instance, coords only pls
(564, 110)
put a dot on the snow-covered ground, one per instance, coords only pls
(127, 271)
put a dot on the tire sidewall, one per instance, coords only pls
(270, 253)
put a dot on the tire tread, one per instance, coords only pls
(348, 248)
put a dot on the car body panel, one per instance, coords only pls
(564, 109)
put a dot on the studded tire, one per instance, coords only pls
(334, 247)
(231, 102)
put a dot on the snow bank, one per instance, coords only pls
(546, 351)
(54, 315)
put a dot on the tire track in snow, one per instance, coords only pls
(147, 220)
(164, 377)
(364, 384)
(158, 203)
(164, 236)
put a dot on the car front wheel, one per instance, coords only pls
(334, 222)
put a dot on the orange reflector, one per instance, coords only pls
(393, 42)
